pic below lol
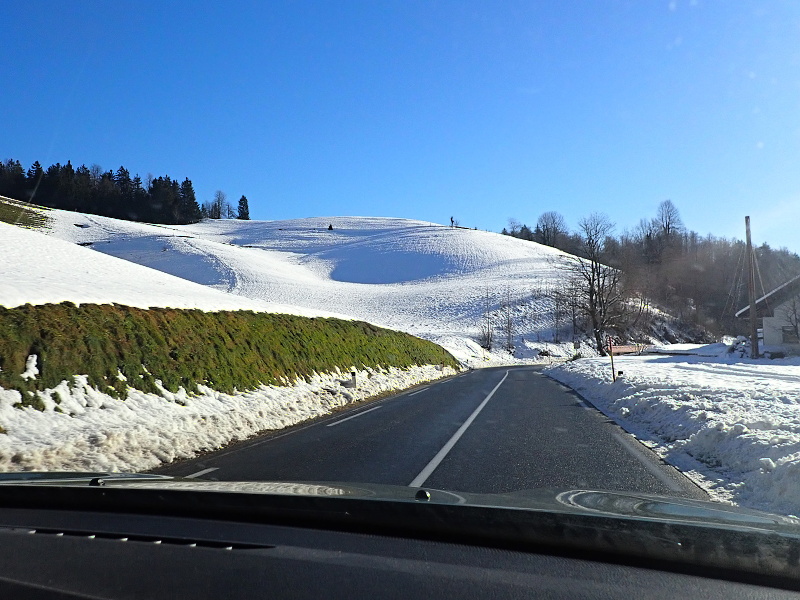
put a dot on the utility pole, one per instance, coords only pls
(751, 291)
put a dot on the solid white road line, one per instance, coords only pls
(417, 392)
(363, 412)
(201, 473)
(426, 472)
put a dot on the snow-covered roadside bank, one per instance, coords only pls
(88, 430)
(732, 425)
(469, 353)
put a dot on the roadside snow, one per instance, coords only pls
(716, 349)
(31, 370)
(731, 424)
(82, 429)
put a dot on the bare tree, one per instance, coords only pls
(217, 207)
(513, 226)
(560, 306)
(550, 227)
(96, 173)
(668, 220)
(567, 301)
(601, 294)
(487, 330)
(508, 321)
(792, 316)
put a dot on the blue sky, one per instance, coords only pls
(480, 110)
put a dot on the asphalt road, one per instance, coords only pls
(485, 431)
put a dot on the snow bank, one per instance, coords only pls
(716, 349)
(82, 429)
(731, 424)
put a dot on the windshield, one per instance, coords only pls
(474, 248)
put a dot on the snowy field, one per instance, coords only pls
(95, 432)
(422, 278)
(731, 424)
(39, 269)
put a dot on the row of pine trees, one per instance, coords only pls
(112, 193)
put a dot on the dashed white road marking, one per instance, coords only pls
(201, 473)
(363, 412)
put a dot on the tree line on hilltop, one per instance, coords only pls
(618, 279)
(114, 193)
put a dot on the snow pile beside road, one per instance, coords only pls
(731, 424)
(82, 429)
(716, 349)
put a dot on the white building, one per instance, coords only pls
(780, 312)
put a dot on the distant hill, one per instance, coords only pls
(431, 280)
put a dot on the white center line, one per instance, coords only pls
(363, 412)
(201, 473)
(431, 466)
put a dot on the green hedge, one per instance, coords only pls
(225, 350)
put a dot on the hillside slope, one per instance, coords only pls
(422, 278)
(40, 269)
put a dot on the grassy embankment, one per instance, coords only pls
(224, 350)
(22, 214)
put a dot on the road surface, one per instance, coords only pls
(484, 431)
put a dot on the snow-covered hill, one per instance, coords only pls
(426, 279)
(39, 269)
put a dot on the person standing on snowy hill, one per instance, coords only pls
(452, 222)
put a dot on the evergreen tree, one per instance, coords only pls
(12, 179)
(124, 184)
(244, 209)
(48, 189)
(106, 197)
(83, 190)
(113, 193)
(138, 205)
(66, 182)
(165, 201)
(190, 211)
(33, 178)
